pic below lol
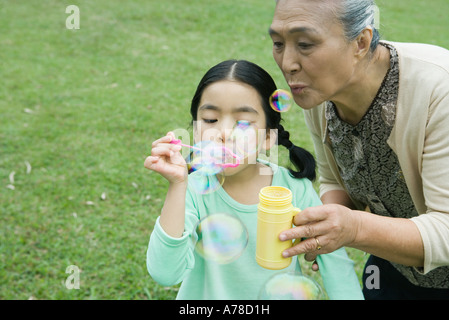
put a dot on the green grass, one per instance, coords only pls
(82, 108)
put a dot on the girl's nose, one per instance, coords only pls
(225, 132)
(219, 134)
(225, 127)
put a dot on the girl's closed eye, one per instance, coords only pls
(210, 120)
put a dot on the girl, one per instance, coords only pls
(229, 92)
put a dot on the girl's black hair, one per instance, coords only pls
(253, 75)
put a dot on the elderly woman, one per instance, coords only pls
(378, 113)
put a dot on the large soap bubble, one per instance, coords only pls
(290, 286)
(222, 238)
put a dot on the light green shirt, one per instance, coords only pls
(172, 260)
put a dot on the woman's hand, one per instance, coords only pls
(326, 229)
(167, 160)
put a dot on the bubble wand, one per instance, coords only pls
(223, 165)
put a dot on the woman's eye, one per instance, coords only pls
(277, 45)
(305, 45)
(210, 120)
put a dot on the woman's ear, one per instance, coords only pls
(363, 42)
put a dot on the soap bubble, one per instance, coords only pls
(205, 162)
(206, 156)
(281, 100)
(222, 238)
(211, 157)
(290, 286)
(244, 138)
(204, 183)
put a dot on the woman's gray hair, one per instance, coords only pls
(356, 15)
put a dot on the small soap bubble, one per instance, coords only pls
(244, 138)
(290, 286)
(281, 100)
(222, 238)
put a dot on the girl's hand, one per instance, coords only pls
(167, 160)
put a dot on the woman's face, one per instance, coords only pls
(223, 105)
(310, 48)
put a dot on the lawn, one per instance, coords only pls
(79, 110)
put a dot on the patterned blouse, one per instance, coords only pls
(369, 168)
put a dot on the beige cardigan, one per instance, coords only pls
(420, 139)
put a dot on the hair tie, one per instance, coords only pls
(291, 147)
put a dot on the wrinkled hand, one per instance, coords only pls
(331, 226)
(166, 159)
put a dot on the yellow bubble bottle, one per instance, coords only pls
(275, 214)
